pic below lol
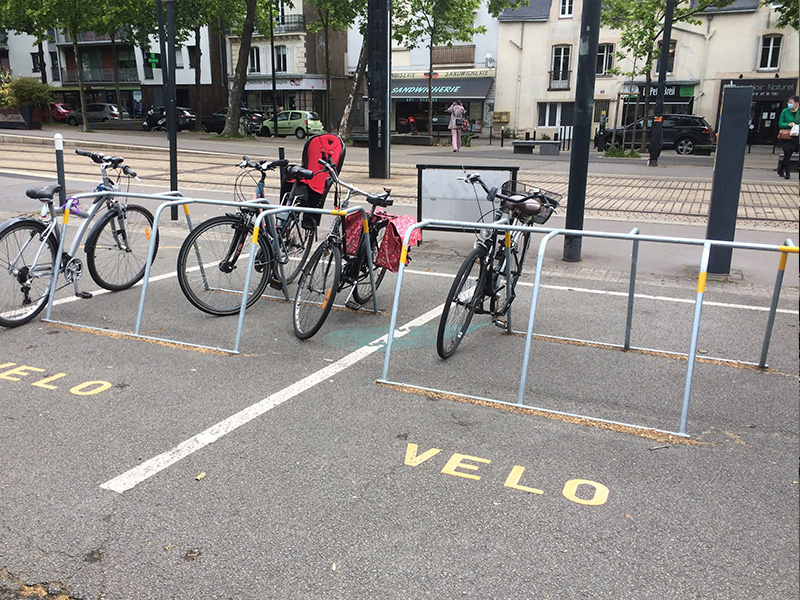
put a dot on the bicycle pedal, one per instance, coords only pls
(83, 295)
(352, 305)
(276, 284)
(502, 323)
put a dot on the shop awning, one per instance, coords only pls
(448, 88)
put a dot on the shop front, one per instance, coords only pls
(769, 99)
(678, 99)
(296, 93)
(409, 95)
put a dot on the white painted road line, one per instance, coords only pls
(147, 469)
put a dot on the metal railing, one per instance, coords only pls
(559, 80)
(98, 75)
(636, 239)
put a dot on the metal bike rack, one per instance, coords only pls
(635, 238)
(267, 211)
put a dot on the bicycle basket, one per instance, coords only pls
(534, 196)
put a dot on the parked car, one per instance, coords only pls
(156, 118)
(98, 112)
(686, 134)
(215, 123)
(299, 123)
(59, 111)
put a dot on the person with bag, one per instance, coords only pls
(788, 124)
(456, 125)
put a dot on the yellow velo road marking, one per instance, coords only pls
(17, 372)
(579, 491)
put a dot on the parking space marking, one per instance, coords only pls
(147, 469)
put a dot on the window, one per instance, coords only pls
(192, 56)
(556, 114)
(178, 58)
(35, 62)
(255, 59)
(605, 59)
(55, 72)
(770, 52)
(671, 59)
(281, 62)
(559, 75)
(565, 9)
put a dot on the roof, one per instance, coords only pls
(735, 6)
(536, 10)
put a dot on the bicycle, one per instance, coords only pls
(341, 259)
(116, 247)
(486, 273)
(208, 259)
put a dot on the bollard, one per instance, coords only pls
(62, 195)
(502, 135)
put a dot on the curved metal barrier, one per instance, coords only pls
(635, 238)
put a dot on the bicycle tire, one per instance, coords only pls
(23, 297)
(204, 283)
(464, 295)
(296, 243)
(500, 302)
(316, 290)
(362, 290)
(117, 248)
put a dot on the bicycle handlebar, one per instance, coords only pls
(382, 199)
(247, 163)
(492, 193)
(108, 161)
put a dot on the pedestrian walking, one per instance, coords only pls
(456, 125)
(788, 124)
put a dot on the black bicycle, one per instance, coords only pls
(340, 261)
(491, 271)
(210, 256)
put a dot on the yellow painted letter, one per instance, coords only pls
(412, 460)
(600, 492)
(43, 383)
(513, 481)
(100, 386)
(21, 370)
(456, 462)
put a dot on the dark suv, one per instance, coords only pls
(687, 134)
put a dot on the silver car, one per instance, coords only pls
(98, 112)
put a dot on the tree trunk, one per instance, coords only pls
(648, 81)
(240, 71)
(198, 89)
(344, 124)
(73, 33)
(328, 103)
(42, 65)
(430, 87)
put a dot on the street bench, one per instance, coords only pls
(549, 147)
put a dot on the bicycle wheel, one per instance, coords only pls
(362, 291)
(462, 299)
(24, 277)
(212, 265)
(316, 290)
(117, 247)
(519, 248)
(296, 243)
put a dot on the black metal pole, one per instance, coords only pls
(379, 71)
(582, 131)
(274, 83)
(657, 133)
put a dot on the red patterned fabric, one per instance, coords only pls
(392, 244)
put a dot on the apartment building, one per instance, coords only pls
(537, 67)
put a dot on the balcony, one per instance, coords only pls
(559, 80)
(98, 75)
(87, 37)
(457, 55)
(289, 24)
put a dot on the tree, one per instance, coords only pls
(789, 11)
(20, 17)
(439, 23)
(240, 71)
(334, 15)
(641, 23)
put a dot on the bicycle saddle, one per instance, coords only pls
(299, 172)
(528, 207)
(43, 193)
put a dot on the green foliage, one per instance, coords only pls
(788, 11)
(24, 91)
(544, 137)
(618, 152)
